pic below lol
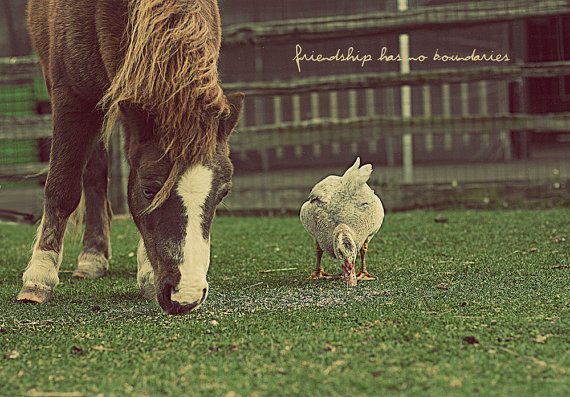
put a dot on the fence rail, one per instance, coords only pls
(450, 15)
(19, 68)
(8, 72)
(315, 131)
(390, 79)
(25, 127)
(22, 172)
(352, 129)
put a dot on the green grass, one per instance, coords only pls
(278, 333)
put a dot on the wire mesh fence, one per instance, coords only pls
(453, 102)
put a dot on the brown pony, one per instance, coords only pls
(153, 64)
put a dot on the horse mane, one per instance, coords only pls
(170, 71)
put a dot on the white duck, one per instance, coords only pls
(343, 214)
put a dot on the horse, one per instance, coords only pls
(151, 64)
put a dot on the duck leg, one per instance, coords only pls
(319, 272)
(363, 273)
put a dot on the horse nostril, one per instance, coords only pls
(204, 292)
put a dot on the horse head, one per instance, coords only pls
(176, 232)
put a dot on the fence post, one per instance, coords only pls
(464, 87)
(117, 185)
(519, 34)
(315, 115)
(407, 142)
(389, 95)
(446, 112)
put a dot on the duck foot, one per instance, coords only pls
(321, 275)
(365, 276)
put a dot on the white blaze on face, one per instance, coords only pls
(193, 188)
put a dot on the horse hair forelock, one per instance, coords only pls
(170, 71)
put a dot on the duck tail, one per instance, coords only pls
(356, 176)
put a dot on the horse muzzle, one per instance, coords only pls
(176, 302)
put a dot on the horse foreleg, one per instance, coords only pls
(75, 131)
(93, 262)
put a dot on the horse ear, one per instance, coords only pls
(227, 125)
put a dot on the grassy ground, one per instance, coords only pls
(501, 278)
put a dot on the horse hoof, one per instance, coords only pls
(91, 266)
(35, 294)
(89, 273)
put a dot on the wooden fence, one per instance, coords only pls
(364, 121)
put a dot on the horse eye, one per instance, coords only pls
(149, 193)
